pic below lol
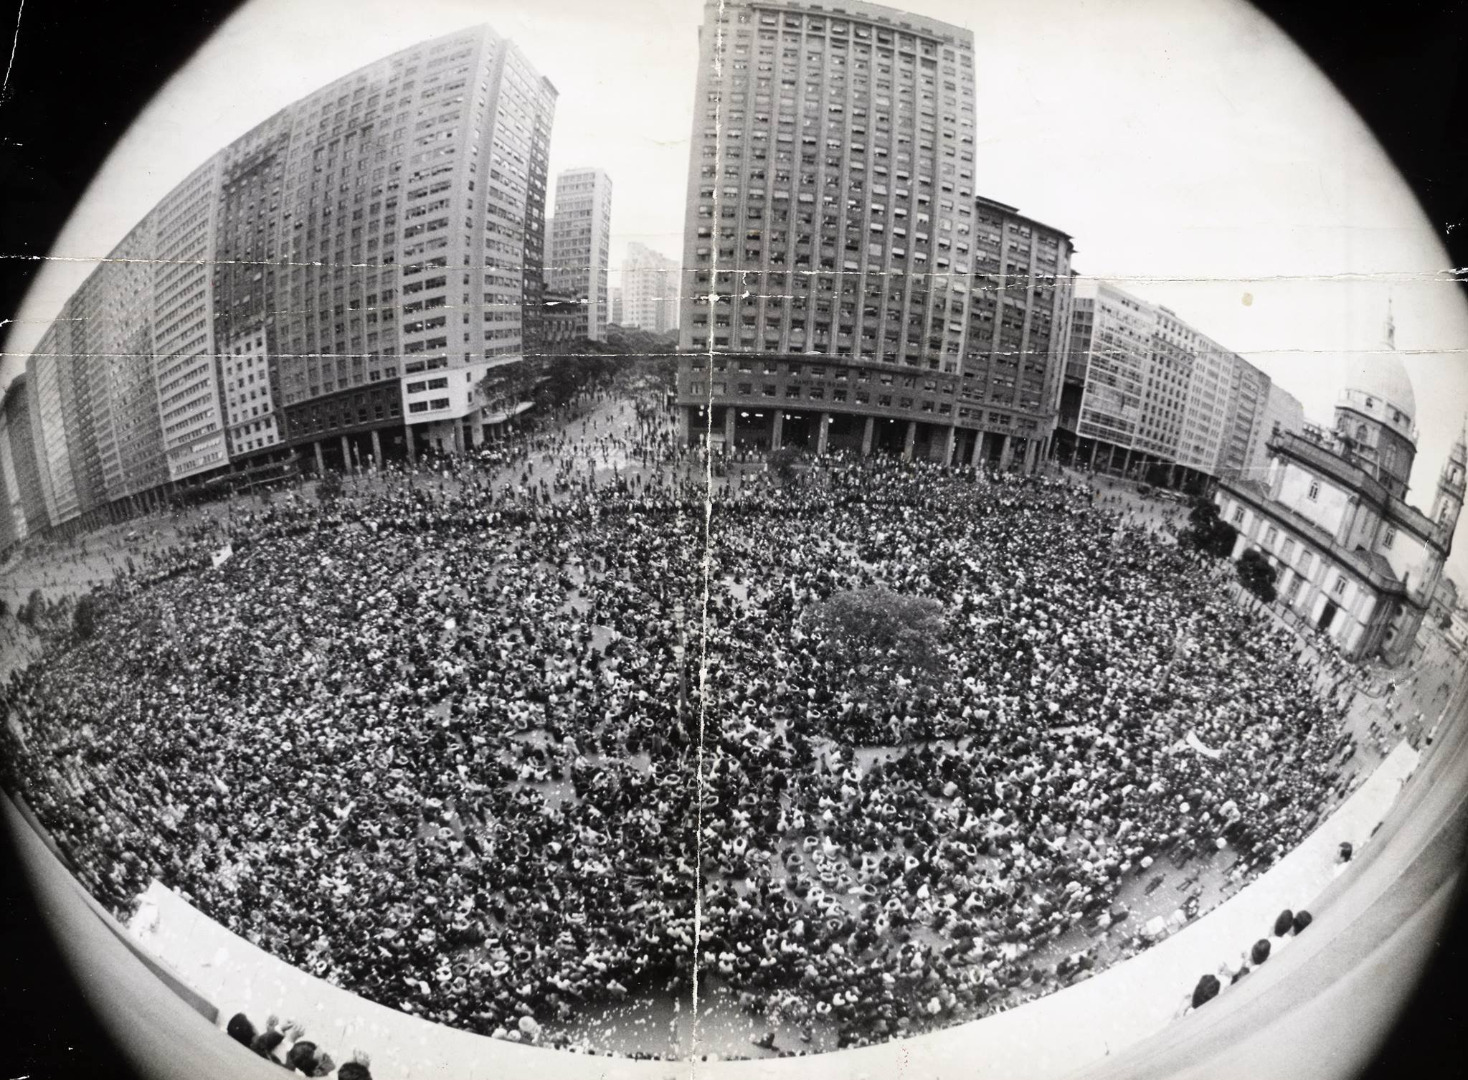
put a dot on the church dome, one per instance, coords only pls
(1383, 377)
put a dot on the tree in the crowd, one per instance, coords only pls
(1207, 532)
(84, 618)
(783, 463)
(32, 609)
(882, 637)
(329, 487)
(1257, 575)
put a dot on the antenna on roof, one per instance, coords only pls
(1391, 326)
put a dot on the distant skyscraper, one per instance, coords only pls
(618, 313)
(338, 278)
(581, 240)
(649, 289)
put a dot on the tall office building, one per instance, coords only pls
(1246, 409)
(829, 245)
(649, 289)
(20, 429)
(1112, 337)
(340, 278)
(16, 525)
(1018, 337)
(1282, 414)
(397, 178)
(581, 244)
(1143, 388)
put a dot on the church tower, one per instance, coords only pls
(1448, 503)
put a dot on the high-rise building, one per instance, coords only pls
(581, 244)
(618, 312)
(340, 278)
(1282, 413)
(649, 289)
(20, 430)
(1019, 333)
(398, 177)
(829, 236)
(1144, 389)
(17, 526)
(1247, 403)
(1112, 336)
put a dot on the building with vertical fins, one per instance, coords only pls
(581, 245)
(1354, 559)
(331, 287)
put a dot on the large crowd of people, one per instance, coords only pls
(467, 739)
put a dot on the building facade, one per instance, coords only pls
(1354, 559)
(581, 245)
(832, 250)
(649, 290)
(336, 281)
(1146, 393)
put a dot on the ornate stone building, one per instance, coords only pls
(1354, 559)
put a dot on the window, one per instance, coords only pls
(1340, 586)
(1238, 514)
(1271, 536)
(1391, 534)
(1314, 490)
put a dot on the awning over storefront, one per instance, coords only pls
(502, 416)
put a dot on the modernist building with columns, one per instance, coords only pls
(1142, 389)
(1354, 559)
(845, 285)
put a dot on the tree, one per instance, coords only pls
(1257, 575)
(84, 618)
(881, 636)
(1209, 533)
(783, 462)
(35, 604)
(329, 488)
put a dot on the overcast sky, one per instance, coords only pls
(1194, 153)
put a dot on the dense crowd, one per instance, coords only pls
(438, 741)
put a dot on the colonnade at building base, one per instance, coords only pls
(769, 429)
(1111, 459)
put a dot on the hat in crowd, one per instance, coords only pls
(1260, 952)
(240, 1029)
(1284, 922)
(1206, 990)
(1302, 920)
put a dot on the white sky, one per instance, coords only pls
(1194, 153)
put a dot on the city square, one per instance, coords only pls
(857, 628)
